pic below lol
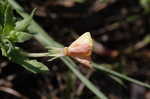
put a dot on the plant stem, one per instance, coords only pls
(35, 54)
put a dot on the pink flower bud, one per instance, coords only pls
(81, 49)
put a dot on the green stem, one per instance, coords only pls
(35, 54)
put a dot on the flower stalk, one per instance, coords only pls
(35, 54)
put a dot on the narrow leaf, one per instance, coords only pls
(7, 18)
(102, 68)
(34, 66)
(23, 24)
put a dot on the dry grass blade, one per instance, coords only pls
(12, 92)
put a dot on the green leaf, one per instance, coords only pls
(8, 19)
(15, 54)
(34, 66)
(31, 65)
(23, 24)
(19, 37)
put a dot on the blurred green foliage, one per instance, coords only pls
(12, 32)
(146, 5)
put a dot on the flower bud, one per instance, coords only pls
(81, 49)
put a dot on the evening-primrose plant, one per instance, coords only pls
(13, 31)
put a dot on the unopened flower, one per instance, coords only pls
(80, 50)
